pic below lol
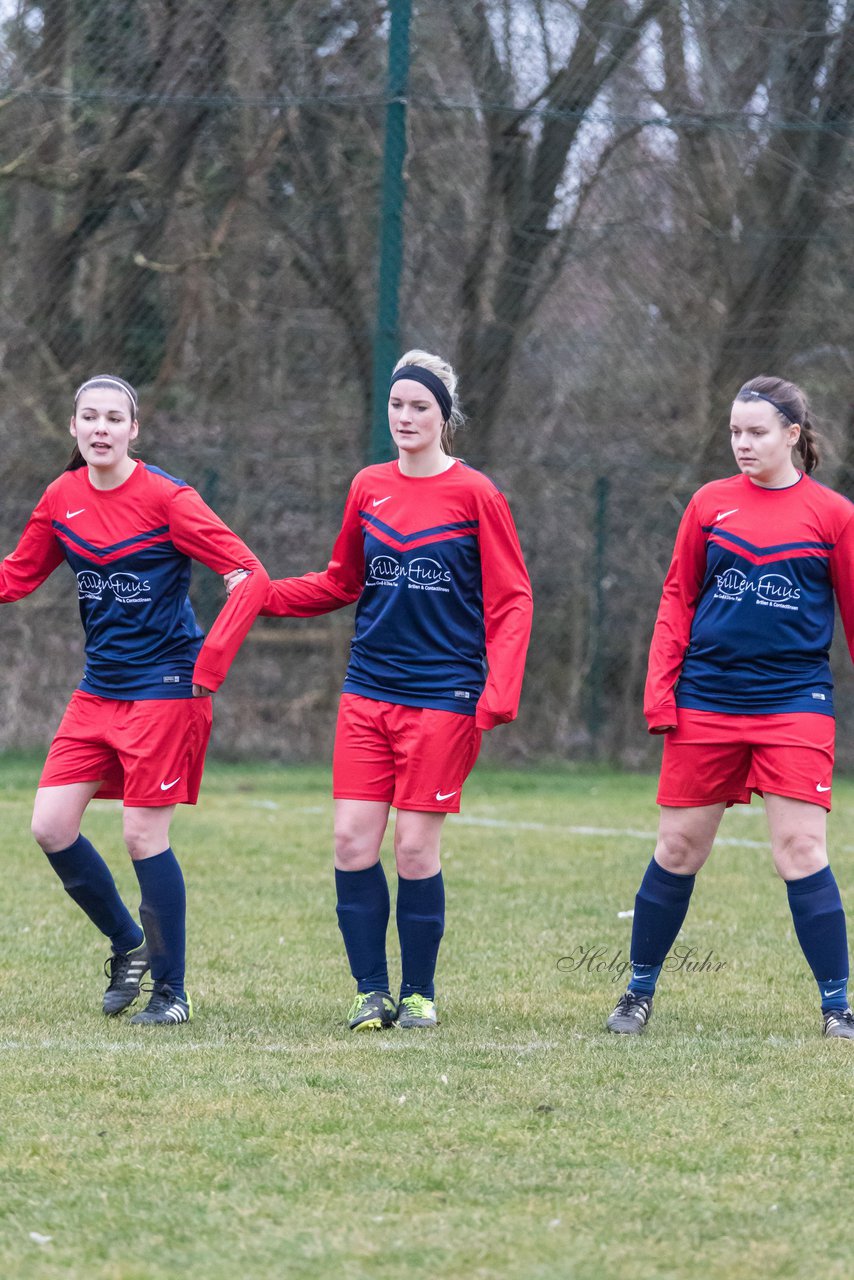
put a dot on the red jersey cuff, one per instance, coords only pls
(661, 717)
(207, 678)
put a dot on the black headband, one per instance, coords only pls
(417, 373)
(781, 408)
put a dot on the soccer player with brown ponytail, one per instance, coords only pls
(137, 727)
(739, 685)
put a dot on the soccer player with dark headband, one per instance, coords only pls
(137, 727)
(739, 684)
(429, 549)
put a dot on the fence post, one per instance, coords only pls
(393, 198)
(597, 666)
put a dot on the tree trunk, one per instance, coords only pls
(785, 203)
(527, 174)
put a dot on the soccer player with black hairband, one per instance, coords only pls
(138, 725)
(429, 549)
(739, 684)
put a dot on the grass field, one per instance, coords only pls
(519, 1141)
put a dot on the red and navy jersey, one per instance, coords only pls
(130, 550)
(746, 614)
(444, 613)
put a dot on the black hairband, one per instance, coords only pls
(417, 373)
(757, 395)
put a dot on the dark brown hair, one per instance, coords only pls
(792, 406)
(110, 382)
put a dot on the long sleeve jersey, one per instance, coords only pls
(746, 615)
(130, 549)
(444, 613)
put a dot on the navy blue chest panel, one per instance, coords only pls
(419, 623)
(143, 575)
(450, 566)
(786, 582)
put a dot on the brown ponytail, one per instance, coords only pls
(76, 461)
(807, 445)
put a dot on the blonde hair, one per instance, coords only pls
(444, 372)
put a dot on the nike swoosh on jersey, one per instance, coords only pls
(722, 515)
(378, 502)
(69, 515)
(167, 786)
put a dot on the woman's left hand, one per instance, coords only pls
(199, 691)
(231, 579)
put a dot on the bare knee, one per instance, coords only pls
(57, 813)
(355, 848)
(144, 841)
(54, 827)
(417, 838)
(680, 853)
(53, 832)
(799, 854)
(416, 860)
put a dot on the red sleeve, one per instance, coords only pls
(842, 577)
(198, 532)
(673, 622)
(339, 584)
(36, 556)
(507, 612)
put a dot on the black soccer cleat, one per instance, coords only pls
(165, 1008)
(631, 1014)
(416, 1011)
(125, 973)
(371, 1011)
(839, 1024)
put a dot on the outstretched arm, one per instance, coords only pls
(339, 584)
(507, 613)
(199, 533)
(36, 556)
(672, 630)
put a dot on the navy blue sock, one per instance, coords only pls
(88, 880)
(420, 925)
(363, 911)
(819, 919)
(163, 912)
(661, 905)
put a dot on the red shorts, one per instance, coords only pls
(711, 757)
(411, 757)
(148, 753)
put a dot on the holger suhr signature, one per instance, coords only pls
(598, 959)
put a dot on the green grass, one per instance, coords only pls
(519, 1141)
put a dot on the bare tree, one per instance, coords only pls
(324, 181)
(124, 153)
(528, 149)
(759, 194)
